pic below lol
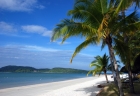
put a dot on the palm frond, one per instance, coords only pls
(83, 45)
(68, 28)
(103, 45)
(122, 5)
(95, 65)
(100, 64)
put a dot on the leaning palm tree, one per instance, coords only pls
(100, 64)
(95, 20)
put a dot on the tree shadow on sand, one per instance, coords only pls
(93, 90)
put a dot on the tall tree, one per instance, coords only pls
(123, 6)
(100, 64)
(96, 21)
(92, 20)
(123, 42)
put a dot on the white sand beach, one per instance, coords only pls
(75, 87)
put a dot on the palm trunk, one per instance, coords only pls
(106, 76)
(129, 67)
(112, 57)
(130, 79)
(113, 72)
(129, 71)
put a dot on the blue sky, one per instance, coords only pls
(25, 31)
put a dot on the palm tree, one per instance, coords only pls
(125, 4)
(96, 21)
(127, 52)
(123, 42)
(100, 64)
(92, 20)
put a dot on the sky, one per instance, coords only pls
(26, 27)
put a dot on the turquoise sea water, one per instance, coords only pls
(8, 80)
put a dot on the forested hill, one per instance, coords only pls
(26, 69)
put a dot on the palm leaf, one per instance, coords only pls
(83, 45)
(100, 64)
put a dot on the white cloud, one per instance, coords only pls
(12, 30)
(31, 48)
(40, 7)
(37, 29)
(44, 57)
(19, 5)
(38, 48)
(7, 28)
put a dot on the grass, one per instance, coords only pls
(111, 90)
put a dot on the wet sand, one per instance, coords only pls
(76, 87)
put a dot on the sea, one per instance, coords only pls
(8, 80)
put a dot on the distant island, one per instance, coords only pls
(26, 69)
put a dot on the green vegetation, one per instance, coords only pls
(31, 69)
(67, 70)
(100, 64)
(105, 22)
(111, 90)
(16, 69)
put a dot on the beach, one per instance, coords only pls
(76, 87)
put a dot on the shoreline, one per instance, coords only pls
(48, 89)
(9, 80)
